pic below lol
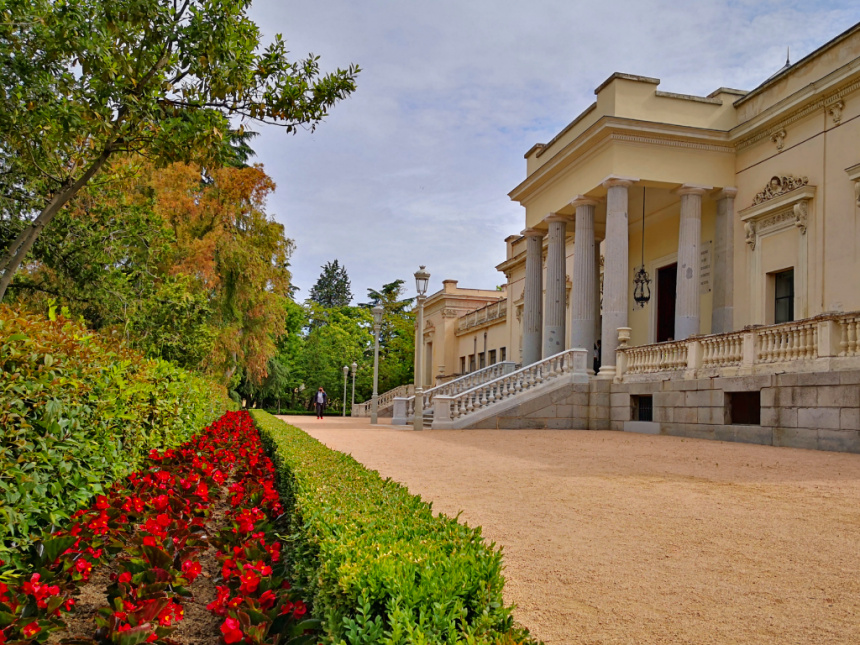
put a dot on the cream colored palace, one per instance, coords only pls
(743, 209)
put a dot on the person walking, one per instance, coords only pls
(321, 400)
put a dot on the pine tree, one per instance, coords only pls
(332, 289)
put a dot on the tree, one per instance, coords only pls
(396, 336)
(332, 288)
(84, 80)
(187, 269)
(343, 337)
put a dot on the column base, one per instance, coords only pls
(607, 373)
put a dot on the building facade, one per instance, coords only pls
(743, 211)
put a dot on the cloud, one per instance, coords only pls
(415, 167)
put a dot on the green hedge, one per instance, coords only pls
(376, 563)
(78, 411)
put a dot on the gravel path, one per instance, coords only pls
(619, 538)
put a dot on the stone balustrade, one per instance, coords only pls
(813, 344)
(452, 410)
(384, 400)
(487, 313)
(404, 407)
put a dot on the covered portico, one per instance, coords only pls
(638, 193)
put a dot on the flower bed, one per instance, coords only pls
(152, 530)
(79, 411)
(375, 561)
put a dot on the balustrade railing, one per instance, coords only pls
(448, 409)
(661, 357)
(723, 350)
(384, 400)
(487, 313)
(849, 343)
(787, 342)
(753, 350)
(465, 382)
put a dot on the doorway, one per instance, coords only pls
(667, 278)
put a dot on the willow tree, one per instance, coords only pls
(84, 80)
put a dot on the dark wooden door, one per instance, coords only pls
(667, 278)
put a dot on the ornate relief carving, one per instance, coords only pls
(778, 138)
(749, 230)
(835, 110)
(779, 186)
(801, 212)
(449, 313)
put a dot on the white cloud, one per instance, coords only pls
(415, 167)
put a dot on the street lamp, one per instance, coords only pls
(422, 278)
(352, 405)
(345, 372)
(377, 325)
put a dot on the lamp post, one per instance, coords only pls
(421, 280)
(377, 325)
(352, 405)
(345, 372)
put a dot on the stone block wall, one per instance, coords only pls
(819, 411)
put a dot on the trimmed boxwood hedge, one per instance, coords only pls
(78, 411)
(376, 563)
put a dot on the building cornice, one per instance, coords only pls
(812, 98)
(611, 128)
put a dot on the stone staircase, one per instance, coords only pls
(493, 398)
(404, 407)
(491, 394)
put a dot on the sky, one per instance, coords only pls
(416, 165)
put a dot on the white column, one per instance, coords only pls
(689, 244)
(615, 271)
(584, 297)
(722, 319)
(533, 297)
(554, 307)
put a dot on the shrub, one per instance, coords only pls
(378, 566)
(77, 412)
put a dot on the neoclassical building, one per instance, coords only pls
(711, 244)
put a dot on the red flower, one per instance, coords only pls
(268, 599)
(125, 577)
(300, 609)
(250, 582)
(230, 630)
(31, 630)
(191, 569)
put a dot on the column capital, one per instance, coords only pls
(729, 192)
(556, 217)
(615, 180)
(532, 232)
(582, 200)
(692, 189)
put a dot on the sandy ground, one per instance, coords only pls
(619, 538)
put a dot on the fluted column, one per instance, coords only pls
(722, 318)
(689, 244)
(584, 298)
(615, 271)
(533, 297)
(554, 306)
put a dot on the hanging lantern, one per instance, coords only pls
(642, 281)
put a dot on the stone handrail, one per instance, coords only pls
(660, 357)
(487, 313)
(384, 400)
(815, 342)
(465, 382)
(451, 409)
